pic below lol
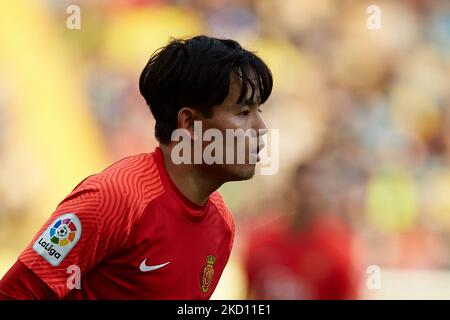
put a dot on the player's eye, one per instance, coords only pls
(259, 110)
(244, 113)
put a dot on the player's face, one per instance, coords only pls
(231, 115)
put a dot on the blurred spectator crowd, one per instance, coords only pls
(364, 119)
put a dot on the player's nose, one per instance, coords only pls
(260, 125)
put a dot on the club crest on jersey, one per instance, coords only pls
(59, 238)
(207, 273)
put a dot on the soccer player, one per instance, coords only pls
(147, 227)
(309, 254)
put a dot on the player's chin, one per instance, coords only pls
(241, 172)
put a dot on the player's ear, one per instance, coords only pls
(186, 118)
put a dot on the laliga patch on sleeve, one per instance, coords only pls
(59, 238)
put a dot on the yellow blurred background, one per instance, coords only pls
(369, 108)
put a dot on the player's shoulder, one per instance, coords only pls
(217, 200)
(131, 167)
(131, 175)
(129, 183)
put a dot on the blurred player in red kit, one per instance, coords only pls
(306, 255)
(147, 227)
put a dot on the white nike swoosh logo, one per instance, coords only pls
(144, 268)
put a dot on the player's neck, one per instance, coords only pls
(195, 185)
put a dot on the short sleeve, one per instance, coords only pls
(80, 233)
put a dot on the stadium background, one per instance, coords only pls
(373, 105)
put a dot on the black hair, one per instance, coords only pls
(196, 73)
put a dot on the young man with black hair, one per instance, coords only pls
(146, 227)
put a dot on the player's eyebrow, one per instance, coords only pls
(256, 101)
(254, 104)
(249, 104)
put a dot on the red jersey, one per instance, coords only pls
(315, 263)
(132, 234)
